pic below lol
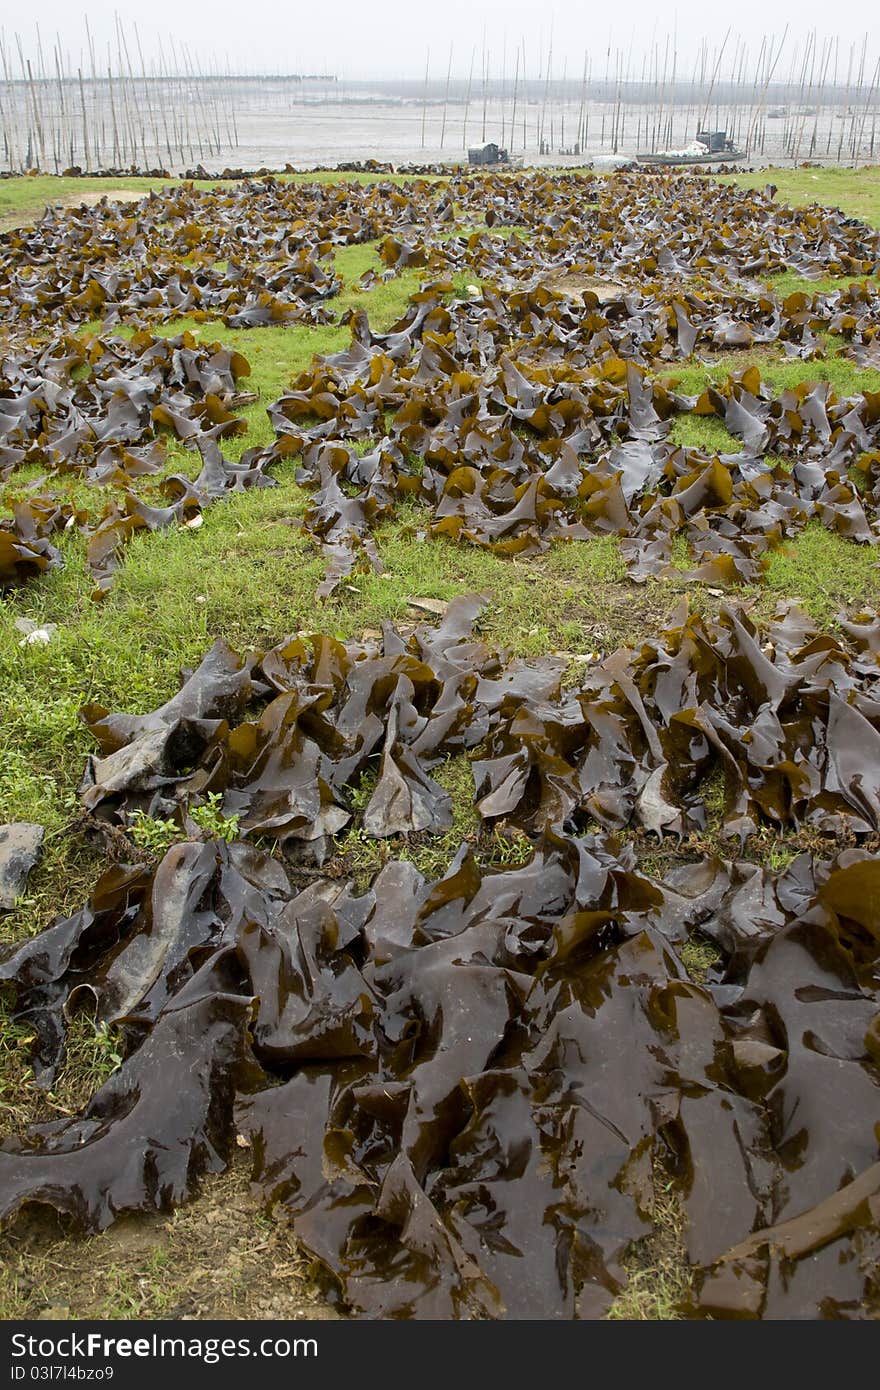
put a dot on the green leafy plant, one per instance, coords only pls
(151, 834)
(211, 820)
(107, 1055)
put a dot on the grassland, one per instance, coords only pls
(249, 575)
(855, 191)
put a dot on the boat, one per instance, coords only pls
(710, 147)
(488, 154)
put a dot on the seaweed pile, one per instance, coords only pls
(96, 409)
(465, 1089)
(511, 455)
(529, 414)
(460, 1089)
(260, 251)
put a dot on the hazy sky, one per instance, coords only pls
(389, 38)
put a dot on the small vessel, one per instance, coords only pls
(488, 154)
(709, 147)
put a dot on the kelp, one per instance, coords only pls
(465, 1089)
(460, 1089)
(97, 409)
(260, 251)
(512, 454)
(529, 413)
(789, 722)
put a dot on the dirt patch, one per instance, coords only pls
(218, 1257)
(113, 195)
(574, 285)
(31, 214)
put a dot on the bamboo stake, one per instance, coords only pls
(503, 82)
(425, 97)
(485, 86)
(38, 125)
(579, 144)
(546, 91)
(85, 119)
(446, 98)
(525, 89)
(513, 114)
(868, 99)
(149, 105)
(467, 100)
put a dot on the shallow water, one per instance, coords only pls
(251, 122)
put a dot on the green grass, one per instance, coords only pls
(93, 1052)
(855, 191)
(658, 1272)
(777, 372)
(24, 199)
(825, 573)
(789, 282)
(220, 1257)
(704, 432)
(698, 955)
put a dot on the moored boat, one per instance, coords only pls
(710, 147)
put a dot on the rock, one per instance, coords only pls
(35, 634)
(436, 606)
(19, 851)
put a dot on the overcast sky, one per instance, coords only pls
(389, 38)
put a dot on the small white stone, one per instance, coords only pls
(35, 634)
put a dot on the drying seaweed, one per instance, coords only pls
(458, 1088)
(528, 415)
(460, 1082)
(519, 452)
(99, 410)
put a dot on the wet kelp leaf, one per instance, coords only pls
(459, 1089)
(20, 560)
(771, 1272)
(25, 549)
(149, 1134)
(337, 711)
(40, 967)
(454, 1139)
(146, 753)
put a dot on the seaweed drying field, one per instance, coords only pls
(501, 872)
